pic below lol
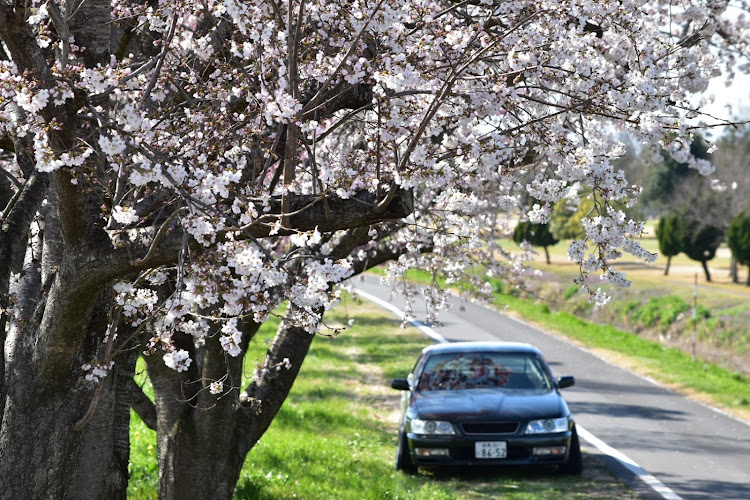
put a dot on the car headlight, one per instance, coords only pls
(547, 426)
(434, 427)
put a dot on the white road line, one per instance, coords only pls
(623, 459)
(398, 312)
(628, 463)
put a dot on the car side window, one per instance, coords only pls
(537, 374)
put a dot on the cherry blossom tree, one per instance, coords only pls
(174, 172)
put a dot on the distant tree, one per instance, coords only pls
(738, 240)
(701, 241)
(565, 223)
(704, 207)
(538, 235)
(662, 182)
(670, 233)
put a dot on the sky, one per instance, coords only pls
(737, 97)
(729, 103)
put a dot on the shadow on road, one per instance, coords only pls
(625, 410)
(618, 387)
(696, 489)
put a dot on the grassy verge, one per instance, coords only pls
(335, 437)
(708, 382)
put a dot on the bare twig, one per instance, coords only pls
(160, 233)
(160, 62)
(98, 390)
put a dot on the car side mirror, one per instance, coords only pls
(400, 383)
(565, 381)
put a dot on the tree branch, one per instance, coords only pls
(143, 406)
(326, 214)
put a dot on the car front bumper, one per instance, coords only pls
(459, 450)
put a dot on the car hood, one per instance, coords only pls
(481, 404)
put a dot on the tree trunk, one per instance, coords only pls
(546, 252)
(202, 446)
(197, 449)
(12, 251)
(61, 325)
(666, 269)
(747, 283)
(199, 454)
(195, 460)
(705, 270)
(40, 449)
(103, 467)
(44, 455)
(91, 28)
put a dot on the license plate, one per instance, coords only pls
(491, 449)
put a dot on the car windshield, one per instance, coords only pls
(480, 370)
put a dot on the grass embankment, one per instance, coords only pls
(335, 437)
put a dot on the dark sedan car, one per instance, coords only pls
(485, 403)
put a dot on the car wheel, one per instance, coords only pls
(403, 456)
(574, 463)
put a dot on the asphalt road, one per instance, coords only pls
(646, 433)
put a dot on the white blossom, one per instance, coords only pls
(124, 215)
(112, 145)
(96, 372)
(178, 360)
(231, 338)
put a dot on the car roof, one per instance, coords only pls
(462, 347)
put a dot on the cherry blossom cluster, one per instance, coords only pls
(96, 372)
(474, 107)
(135, 302)
(178, 359)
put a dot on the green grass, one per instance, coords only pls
(143, 468)
(144, 472)
(335, 436)
(662, 311)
